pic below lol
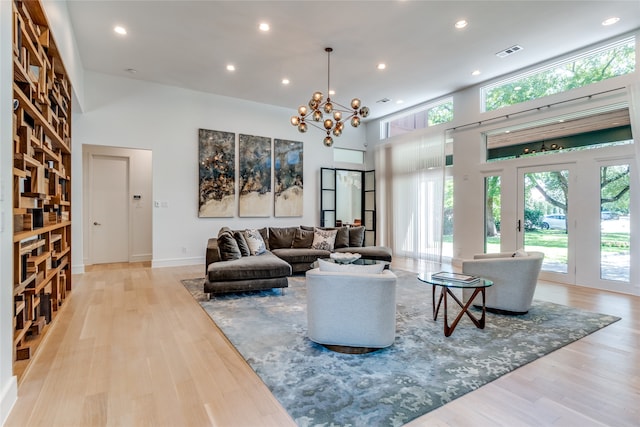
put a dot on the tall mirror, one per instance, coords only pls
(349, 196)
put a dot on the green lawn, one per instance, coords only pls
(554, 243)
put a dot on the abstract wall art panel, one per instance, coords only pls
(216, 173)
(287, 164)
(255, 176)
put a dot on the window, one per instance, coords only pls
(612, 60)
(348, 156)
(430, 115)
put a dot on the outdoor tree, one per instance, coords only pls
(614, 187)
(582, 71)
(442, 113)
(492, 204)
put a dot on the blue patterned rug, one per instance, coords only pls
(420, 372)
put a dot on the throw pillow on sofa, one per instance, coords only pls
(228, 246)
(281, 237)
(324, 239)
(302, 239)
(242, 243)
(342, 236)
(255, 242)
(350, 268)
(356, 236)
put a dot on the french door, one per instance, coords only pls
(546, 218)
(578, 214)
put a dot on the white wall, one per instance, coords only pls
(133, 114)
(8, 384)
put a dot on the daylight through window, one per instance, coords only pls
(430, 115)
(612, 60)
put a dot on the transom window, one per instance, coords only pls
(429, 115)
(612, 60)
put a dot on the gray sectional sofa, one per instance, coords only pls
(232, 266)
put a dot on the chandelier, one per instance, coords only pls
(318, 107)
(543, 148)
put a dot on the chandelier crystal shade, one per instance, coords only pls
(331, 114)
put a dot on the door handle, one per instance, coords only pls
(519, 226)
(96, 223)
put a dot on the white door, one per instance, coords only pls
(109, 209)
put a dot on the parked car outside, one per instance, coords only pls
(606, 215)
(554, 221)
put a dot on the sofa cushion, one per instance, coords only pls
(300, 255)
(302, 238)
(255, 241)
(350, 268)
(281, 237)
(242, 243)
(342, 237)
(263, 266)
(228, 246)
(356, 236)
(264, 232)
(324, 239)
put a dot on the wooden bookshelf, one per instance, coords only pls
(41, 180)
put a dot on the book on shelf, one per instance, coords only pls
(454, 277)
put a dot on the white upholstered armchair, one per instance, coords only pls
(351, 309)
(514, 279)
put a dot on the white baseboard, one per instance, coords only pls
(77, 269)
(140, 258)
(8, 397)
(176, 262)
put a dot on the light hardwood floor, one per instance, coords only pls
(132, 348)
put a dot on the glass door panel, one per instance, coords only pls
(447, 220)
(492, 214)
(615, 230)
(544, 219)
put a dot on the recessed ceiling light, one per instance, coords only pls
(264, 27)
(231, 67)
(285, 81)
(120, 30)
(399, 101)
(382, 66)
(332, 92)
(475, 73)
(610, 21)
(461, 24)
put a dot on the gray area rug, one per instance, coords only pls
(420, 372)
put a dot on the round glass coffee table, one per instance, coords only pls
(446, 284)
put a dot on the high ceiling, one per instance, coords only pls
(189, 44)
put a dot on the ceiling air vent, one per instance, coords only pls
(383, 100)
(508, 51)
